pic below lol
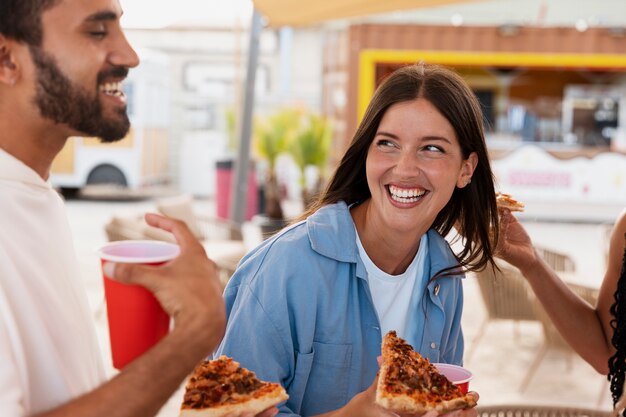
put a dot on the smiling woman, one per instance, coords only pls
(369, 256)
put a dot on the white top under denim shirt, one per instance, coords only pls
(392, 295)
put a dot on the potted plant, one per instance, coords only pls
(272, 137)
(310, 147)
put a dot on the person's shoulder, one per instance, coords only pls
(280, 251)
(439, 247)
(620, 223)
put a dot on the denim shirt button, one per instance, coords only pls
(433, 345)
(437, 287)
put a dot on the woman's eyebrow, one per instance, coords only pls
(383, 133)
(435, 138)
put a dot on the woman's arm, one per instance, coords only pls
(586, 328)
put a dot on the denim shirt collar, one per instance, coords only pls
(332, 234)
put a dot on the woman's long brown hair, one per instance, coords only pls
(473, 208)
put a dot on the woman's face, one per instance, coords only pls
(413, 165)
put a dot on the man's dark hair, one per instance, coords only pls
(21, 19)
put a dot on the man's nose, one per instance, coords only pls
(124, 55)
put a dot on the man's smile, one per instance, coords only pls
(113, 89)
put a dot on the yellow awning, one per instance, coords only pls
(303, 13)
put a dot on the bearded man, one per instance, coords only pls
(62, 64)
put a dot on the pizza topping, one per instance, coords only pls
(409, 373)
(222, 381)
(408, 382)
(506, 201)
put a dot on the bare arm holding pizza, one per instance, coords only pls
(590, 332)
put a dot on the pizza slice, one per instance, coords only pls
(409, 383)
(506, 201)
(221, 386)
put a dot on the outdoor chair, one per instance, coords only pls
(559, 262)
(538, 411)
(553, 340)
(221, 238)
(506, 296)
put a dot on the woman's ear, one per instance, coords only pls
(467, 170)
(8, 63)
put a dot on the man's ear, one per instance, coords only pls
(8, 62)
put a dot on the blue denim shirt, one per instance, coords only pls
(300, 313)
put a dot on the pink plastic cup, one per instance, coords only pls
(458, 375)
(136, 319)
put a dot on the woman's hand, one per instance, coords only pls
(270, 412)
(364, 404)
(514, 243)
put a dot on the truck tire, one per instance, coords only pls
(107, 174)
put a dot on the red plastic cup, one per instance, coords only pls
(136, 319)
(458, 375)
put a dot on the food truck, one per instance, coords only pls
(553, 98)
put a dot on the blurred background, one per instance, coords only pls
(239, 111)
(550, 76)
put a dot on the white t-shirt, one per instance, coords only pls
(393, 295)
(48, 348)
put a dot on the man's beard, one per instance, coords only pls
(64, 102)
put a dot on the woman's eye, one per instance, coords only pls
(384, 143)
(433, 148)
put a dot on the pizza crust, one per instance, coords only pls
(255, 406)
(401, 403)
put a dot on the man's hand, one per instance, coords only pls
(187, 287)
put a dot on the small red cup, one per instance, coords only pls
(136, 319)
(458, 375)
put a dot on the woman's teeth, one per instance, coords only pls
(405, 195)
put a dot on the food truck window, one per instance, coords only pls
(486, 100)
(591, 114)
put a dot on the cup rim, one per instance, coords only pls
(452, 366)
(138, 259)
